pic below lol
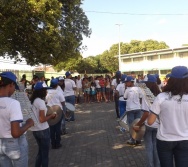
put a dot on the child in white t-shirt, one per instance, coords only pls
(13, 143)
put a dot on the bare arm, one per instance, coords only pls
(151, 119)
(142, 119)
(17, 131)
(43, 118)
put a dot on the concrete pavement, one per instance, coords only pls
(93, 140)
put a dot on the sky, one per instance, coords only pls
(161, 20)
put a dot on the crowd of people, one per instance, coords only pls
(166, 135)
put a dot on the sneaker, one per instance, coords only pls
(138, 143)
(58, 146)
(122, 129)
(131, 142)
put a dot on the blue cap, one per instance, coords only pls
(118, 73)
(179, 72)
(167, 75)
(54, 82)
(40, 85)
(157, 75)
(10, 76)
(123, 77)
(68, 73)
(150, 78)
(129, 79)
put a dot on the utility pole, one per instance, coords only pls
(119, 55)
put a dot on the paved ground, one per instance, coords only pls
(94, 140)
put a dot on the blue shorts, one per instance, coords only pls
(103, 89)
(98, 89)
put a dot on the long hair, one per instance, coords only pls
(41, 93)
(153, 87)
(118, 78)
(176, 86)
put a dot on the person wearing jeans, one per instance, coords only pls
(133, 95)
(42, 138)
(56, 98)
(171, 107)
(41, 130)
(13, 143)
(152, 159)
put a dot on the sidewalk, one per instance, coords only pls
(93, 140)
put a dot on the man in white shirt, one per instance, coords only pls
(79, 92)
(69, 89)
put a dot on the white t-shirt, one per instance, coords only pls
(55, 97)
(38, 105)
(69, 85)
(59, 89)
(97, 84)
(114, 83)
(121, 89)
(10, 110)
(173, 117)
(133, 95)
(78, 83)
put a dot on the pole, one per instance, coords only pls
(119, 55)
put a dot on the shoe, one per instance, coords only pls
(138, 143)
(122, 129)
(131, 142)
(64, 132)
(53, 147)
(58, 146)
(72, 119)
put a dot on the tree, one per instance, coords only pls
(109, 58)
(45, 31)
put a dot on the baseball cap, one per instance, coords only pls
(167, 75)
(118, 73)
(157, 75)
(60, 78)
(11, 76)
(68, 73)
(54, 82)
(150, 78)
(41, 85)
(179, 72)
(123, 77)
(129, 79)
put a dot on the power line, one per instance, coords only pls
(154, 14)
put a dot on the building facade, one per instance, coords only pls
(156, 61)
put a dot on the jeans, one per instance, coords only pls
(14, 152)
(116, 100)
(43, 140)
(167, 150)
(122, 108)
(131, 116)
(55, 134)
(70, 99)
(151, 148)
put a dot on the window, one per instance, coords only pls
(167, 56)
(183, 55)
(138, 59)
(152, 58)
(127, 60)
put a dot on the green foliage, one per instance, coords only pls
(42, 31)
